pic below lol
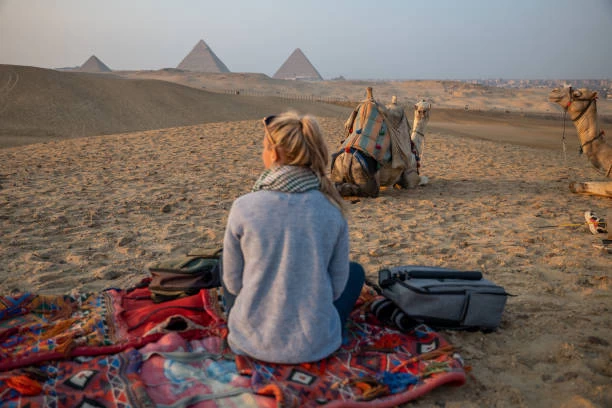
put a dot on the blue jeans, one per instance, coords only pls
(344, 304)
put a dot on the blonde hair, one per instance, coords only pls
(301, 140)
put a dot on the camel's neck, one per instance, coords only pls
(418, 133)
(593, 142)
(587, 127)
(420, 124)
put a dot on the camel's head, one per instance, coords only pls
(572, 100)
(421, 110)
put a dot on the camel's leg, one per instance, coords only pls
(410, 179)
(601, 188)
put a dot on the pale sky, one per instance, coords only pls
(359, 39)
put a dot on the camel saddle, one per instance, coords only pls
(368, 132)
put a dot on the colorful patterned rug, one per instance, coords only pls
(38, 328)
(119, 349)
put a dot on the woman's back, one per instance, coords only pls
(293, 266)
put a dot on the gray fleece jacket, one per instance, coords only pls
(286, 257)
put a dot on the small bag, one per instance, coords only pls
(444, 298)
(185, 276)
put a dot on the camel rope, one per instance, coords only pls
(581, 114)
(600, 134)
(564, 147)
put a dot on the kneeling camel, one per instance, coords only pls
(581, 106)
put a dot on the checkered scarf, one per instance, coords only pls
(288, 179)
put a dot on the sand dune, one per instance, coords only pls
(47, 104)
(91, 213)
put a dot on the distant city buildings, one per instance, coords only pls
(603, 86)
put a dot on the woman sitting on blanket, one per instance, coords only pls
(288, 283)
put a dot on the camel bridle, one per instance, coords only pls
(572, 99)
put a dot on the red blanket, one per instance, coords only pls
(119, 349)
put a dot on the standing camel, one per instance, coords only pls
(581, 106)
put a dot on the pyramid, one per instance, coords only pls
(202, 59)
(93, 64)
(297, 66)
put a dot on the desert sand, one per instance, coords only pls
(88, 213)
